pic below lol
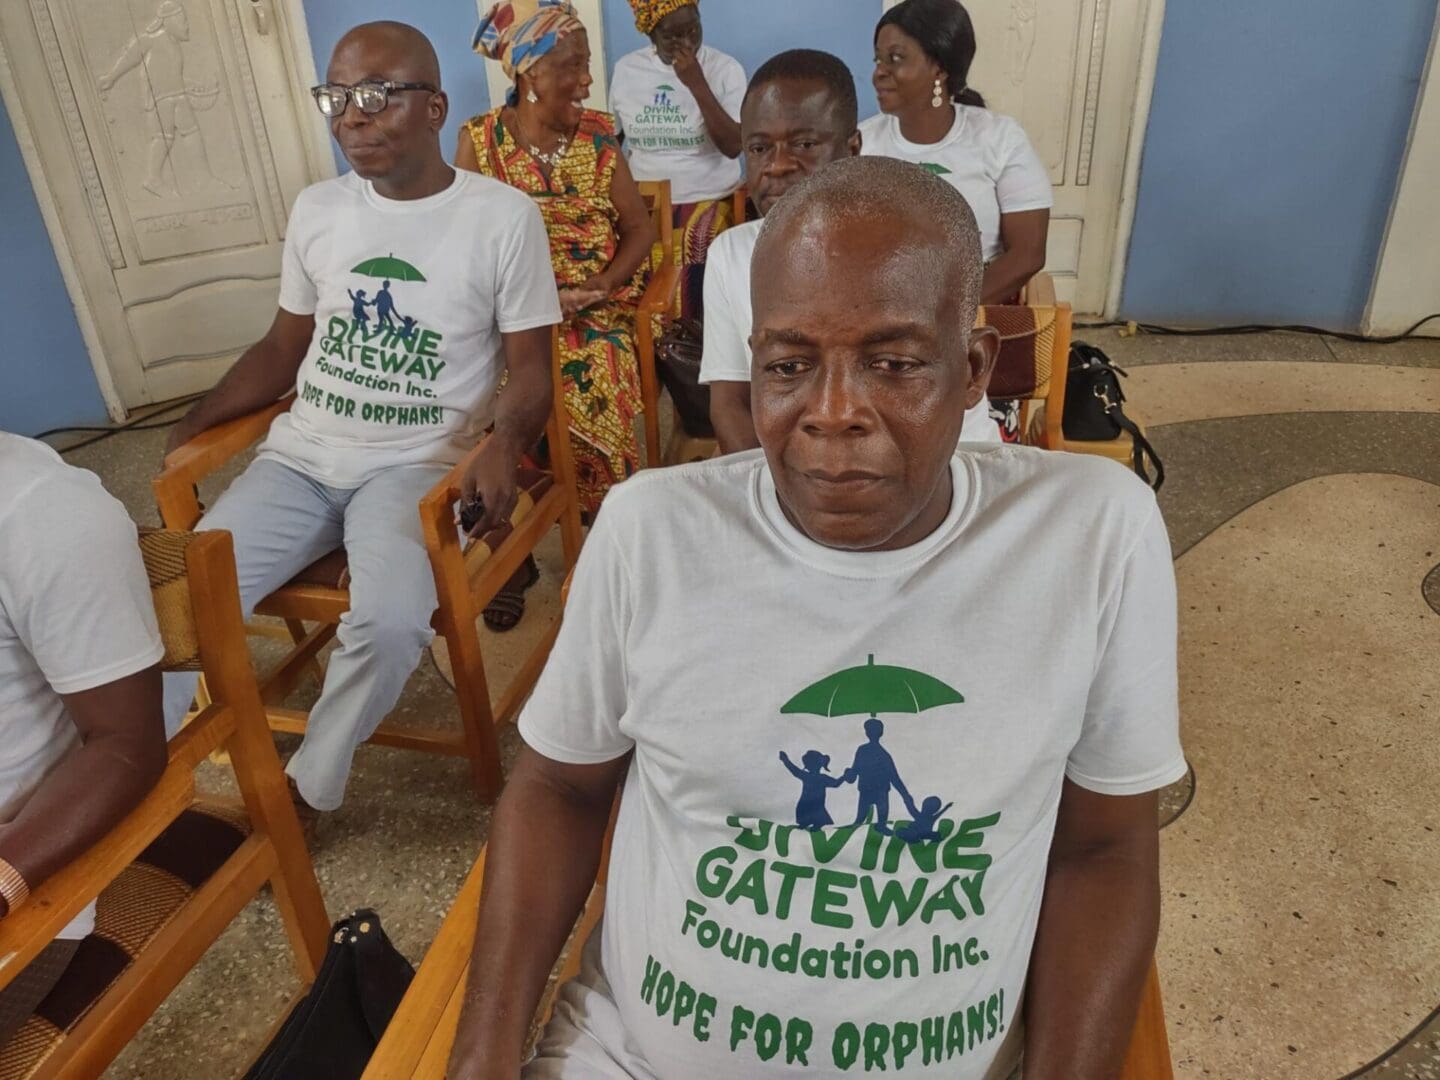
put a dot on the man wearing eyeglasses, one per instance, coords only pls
(382, 410)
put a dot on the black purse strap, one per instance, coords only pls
(1141, 445)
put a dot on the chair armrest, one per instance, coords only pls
(660, 293)
(187, 465)
(1039, 291)
(447, 489)
(56, 901)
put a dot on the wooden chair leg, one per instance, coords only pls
(649, 387)
(261, 780)
(477, 719)
(257, 766)
(298, 634)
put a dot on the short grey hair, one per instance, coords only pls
(865, 188)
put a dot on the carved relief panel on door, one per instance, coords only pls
(1025, 68)
(165, 135)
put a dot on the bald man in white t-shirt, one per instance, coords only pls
(890, 766)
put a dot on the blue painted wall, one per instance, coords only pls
(1271, 158)
(46, 380)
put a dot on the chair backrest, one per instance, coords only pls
(656, 194)
(192, 578)
(740, 205)
(1034, 353)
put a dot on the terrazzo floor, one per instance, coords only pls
(1301, 927)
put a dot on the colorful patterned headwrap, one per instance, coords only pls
(519, 32)
(650, 12)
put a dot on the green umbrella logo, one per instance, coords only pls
(389, 267)
(870, 689)
(664, 86)
(932, 167)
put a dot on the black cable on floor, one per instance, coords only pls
(1257, 328)
(140, 423)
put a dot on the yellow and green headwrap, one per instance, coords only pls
(519, 32)
(650, 12)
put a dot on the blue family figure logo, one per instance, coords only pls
(923, 827)
(868, 689)
(385, 308)
(387, 269)
(815, 782)
(662, 96)
(357, 310)
(874, 773)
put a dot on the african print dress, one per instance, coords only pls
(696, 227)
(597, 345)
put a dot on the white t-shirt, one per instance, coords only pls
(75, 613)
(728, 317)
(665, 133)
(410, 298)
(741, 661)
(986, 157)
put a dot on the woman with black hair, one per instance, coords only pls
(931, 116)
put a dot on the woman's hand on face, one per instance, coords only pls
(686, 62)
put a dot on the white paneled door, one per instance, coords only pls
(1073, 73)
(167, 140)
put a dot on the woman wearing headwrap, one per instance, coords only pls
(546, 143)
(676, 103)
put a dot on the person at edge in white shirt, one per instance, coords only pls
(890, 801)
(407, 290)
(799, 115)
(82, 736)
(675, 104)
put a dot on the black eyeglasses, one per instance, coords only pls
(370, 96)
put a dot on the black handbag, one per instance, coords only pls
(1094, 409)
(334, 1029)
(677, 361)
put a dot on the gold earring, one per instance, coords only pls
(939, 98)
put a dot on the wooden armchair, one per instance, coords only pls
(466, 580)
(657, 307)
(1031, 368)
(174, 873)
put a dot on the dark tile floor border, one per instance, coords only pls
(1430, 589)
(1143, 349)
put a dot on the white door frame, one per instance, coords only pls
(1135, 150)
(296, 39)
(1407, 273)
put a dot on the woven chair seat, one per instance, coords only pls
(332, 571)
(131, 912)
